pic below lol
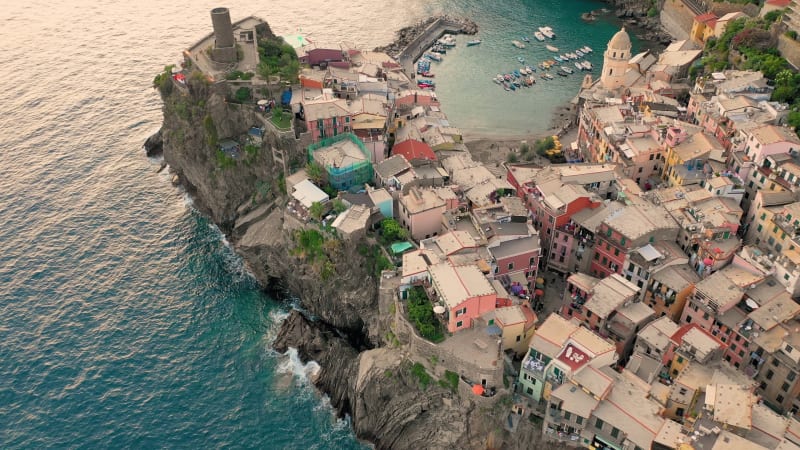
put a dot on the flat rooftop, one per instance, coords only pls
(658, 333)
(460, 283)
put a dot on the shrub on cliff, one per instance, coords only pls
(163, 81)
(420, 313)
(392, 231)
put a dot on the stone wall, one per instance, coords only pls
(424, 351)
(677, 19)
(789, 49)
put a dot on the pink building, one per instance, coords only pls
(518, 259)
(327, 118)
(465, 293)
(769, 140)
(415, 97)
(421, 212)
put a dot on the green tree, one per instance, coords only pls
(392, 230)
(317, 210)
(243, 94)
(338, 206)
(511, 158)
(316, 173)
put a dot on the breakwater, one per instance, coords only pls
(412, 41)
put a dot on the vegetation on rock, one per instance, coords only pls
(420, 313)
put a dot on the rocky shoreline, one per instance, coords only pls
(406, 35)
(365, 372)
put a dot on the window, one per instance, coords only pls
(652, 239)
(567, 415)
(578, 420)
(760, 227)
(642, 168)
(790, 376)
(788, 348)
(763, 216)
(532, 261)
(588, 314)
(598, 424)
(779, 399)
(770, 374)
(679, 412)
(519, 338)
(614, 433)
(616, 252)
(459, 324)
(786, 277)
(510, 266)
(763, 385)
(682, 391)
(680, 359)
(775, 362)
(622, 240)
(785, 387)
(609, 232)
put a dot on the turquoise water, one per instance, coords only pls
(464, 79)
(125, 318)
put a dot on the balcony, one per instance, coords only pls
(786, 226)
(534, 366)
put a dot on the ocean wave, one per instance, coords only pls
(304, 374)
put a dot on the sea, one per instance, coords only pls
(126, 319)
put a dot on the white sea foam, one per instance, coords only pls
(303, 373)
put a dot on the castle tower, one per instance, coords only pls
(224, 49)
(615, 60)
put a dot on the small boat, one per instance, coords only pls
(539, 36)
(586, 65)
(579, 53)
(446, 42)
(530, 81)
(547, 76)
(518, 44)
(586, 49)
(511, 85)
(562, 74)
(507, 77)
(559, 59)
(473, 42)
(517, 74)
(434, 57)
(428, 74)
(438, 49)
(498, 80)
(551, 48)
(516, 83)
(521, 59)
(567, 69)
(547, 32)
(572, 56)
(505, 86)
(530, 69)
(526, 38)
(578, 65)
(564, 57)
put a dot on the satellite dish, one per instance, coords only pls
(438, 309)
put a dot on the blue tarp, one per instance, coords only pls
(286, 97)
(493, 330)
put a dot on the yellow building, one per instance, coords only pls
(516, 325)
(685, 161)
(703, 27)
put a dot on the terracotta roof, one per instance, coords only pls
(709, 19)
(778, 3)
(413, 149)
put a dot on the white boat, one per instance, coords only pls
(547, 32)
(518, 44)
(579, 53)
(473, 42)
(578, 65)
(564, 57)
(586, 65)
(498, 80)
(572, 56)
(587, 49)
(551, 48)
(539, 36)
(567, 69)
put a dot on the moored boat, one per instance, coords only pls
(547, 32)
(578, 65)
(567, 69)
(518, 44)
(539, 36)
(473, 42)
(428, 74)
(547, 76)
(526, 38)
(551, 48)
(530, 69)
(579, 53)
(521, 59)
(562, 74)
(586, 65)
(587, 49)
(558, 58)
(433, 56)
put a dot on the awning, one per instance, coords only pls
(493, 330)
(477, 389)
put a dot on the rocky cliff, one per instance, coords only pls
(335, 280)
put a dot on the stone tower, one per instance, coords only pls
(224, 50)
(615, 60)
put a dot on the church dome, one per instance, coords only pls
(620, 41)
